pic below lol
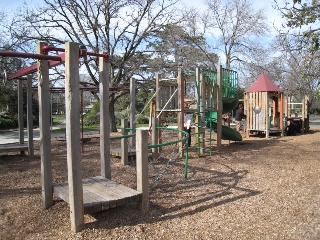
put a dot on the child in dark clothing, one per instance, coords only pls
(292, 129)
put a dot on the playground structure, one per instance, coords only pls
(296, 110)
(264, 108)
(22, 146)
(269, 111)
(83, 195)
(214, 95)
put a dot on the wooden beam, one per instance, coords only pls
(104, 118)
(72, 97)
(44, 126)
(142, 169)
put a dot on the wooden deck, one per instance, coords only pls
(100, 194)
(271, 131)
(12, 147)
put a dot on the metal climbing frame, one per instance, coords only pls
(206, 82)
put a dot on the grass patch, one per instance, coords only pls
(85, 128)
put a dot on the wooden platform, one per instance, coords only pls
(271, 130)
(100, 194)
(13, 147)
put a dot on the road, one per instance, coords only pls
(13, 135)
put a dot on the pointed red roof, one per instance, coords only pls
(263, 84)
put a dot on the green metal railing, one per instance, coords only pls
(186, 139)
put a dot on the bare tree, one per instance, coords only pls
(297, 70)
(238, 28)
(119, 27)
(298, 41)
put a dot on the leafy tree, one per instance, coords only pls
(305, 16)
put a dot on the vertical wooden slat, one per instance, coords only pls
(142, 169)
(29, 116)
(268, 113)
(281, 104)
(73, 137)
(44, 126)
(250, 120)
(104, 76)
(261, 114)
(303, 113)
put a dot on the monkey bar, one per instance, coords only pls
(53, 60)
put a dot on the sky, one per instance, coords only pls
(273, 15)
(266, 4)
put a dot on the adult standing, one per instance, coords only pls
(239, 116)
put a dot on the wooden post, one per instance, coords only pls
(219, 106)
(155, 137)
(180, 82)
(158, 106)
(202, 91)
(20, 113)
(132, 110)
(303, 113)
(72, 97)
(247, 112)
(44, 126)
(158, 95)
(281, 105)
(142, 169)
(104, 119)
(268, 113)
(124, 142)
(306, 113)
(29, 116)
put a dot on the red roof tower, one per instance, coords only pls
(263, 84)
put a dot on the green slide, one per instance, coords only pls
(227, 133)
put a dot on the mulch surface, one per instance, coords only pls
(255, 189)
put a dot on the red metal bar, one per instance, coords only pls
(33, 68)
(104, 55)
(23, 72)
(29, 55)
(46, 49)
(53, 60)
